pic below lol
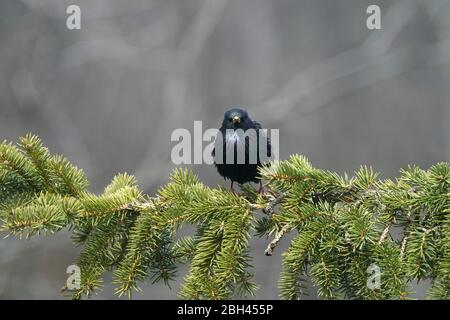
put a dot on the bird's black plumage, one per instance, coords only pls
(247, 171)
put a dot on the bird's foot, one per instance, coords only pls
(261, 189)
(232, 189)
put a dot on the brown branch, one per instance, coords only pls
(280, 234)
(402, 250)
(270, 207)
(384, 234)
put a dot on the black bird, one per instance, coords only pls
(245, 170)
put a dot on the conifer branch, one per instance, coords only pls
(280, 234)
(385, 234)
(342, 226)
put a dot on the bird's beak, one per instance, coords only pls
(236, 119)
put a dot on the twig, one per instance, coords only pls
(270, 207)
(280, 234)
(406, 231)
(384, 234)
(402, 250)
(138, 206)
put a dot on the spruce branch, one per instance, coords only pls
(385, 234)
(269, 209)
(280, 234)
(342, 226)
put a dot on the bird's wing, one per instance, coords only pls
(219, 140)
(257, 125)
(263, 134)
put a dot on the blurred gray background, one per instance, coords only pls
(109, 95)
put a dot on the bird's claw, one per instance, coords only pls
(261, 190)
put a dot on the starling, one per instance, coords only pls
(244, 169)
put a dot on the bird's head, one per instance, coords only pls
(236, 119)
